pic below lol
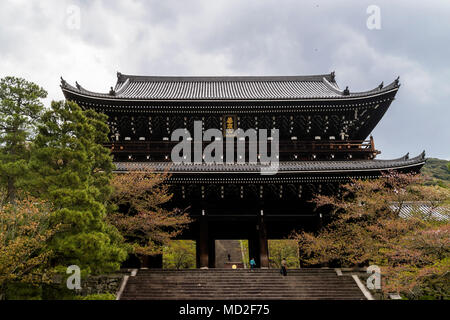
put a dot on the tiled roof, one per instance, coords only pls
(226, 88)
(409, 209)
(284, 166)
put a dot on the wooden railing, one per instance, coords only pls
(285, 147)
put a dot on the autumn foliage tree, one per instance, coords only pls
(25, 229)
(283, 249)
(143, 216)
(366, 227)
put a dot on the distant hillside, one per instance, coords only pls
(437, 171)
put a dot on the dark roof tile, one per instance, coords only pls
(225, 88)
(284, 166)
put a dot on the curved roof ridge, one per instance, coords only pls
(420, 156)
(304, 78)
(121, 87)
(66, 85)
(380, 88)
(332, 86)
(405, 157)
(80, 89)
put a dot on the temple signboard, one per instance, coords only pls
(229, 125)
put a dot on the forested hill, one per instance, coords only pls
(437, 171)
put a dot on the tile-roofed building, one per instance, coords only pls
(423, 209)
(324, 140)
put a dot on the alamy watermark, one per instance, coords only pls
(374, 20)
(74, 280)
(374, 280)
(234, 140)
(73, 17)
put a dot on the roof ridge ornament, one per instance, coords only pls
(397, 81)
(78, 85)
(112, 92)
(422, 155)
(381, 85)
(346, 91)
(63, 82)
(119, 75)
(333, 76)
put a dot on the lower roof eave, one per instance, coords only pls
(283, 170)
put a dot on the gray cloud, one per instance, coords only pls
(247, 37)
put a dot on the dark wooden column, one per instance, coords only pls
(258, 247)
(263, 243)
(319, 222)
(145, 261)
(211, 252)
(154, 261)
(300, 264)
(253, 249)
(202, 245)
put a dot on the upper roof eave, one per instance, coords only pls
(136, 78)
(107, 97)
(327, 80)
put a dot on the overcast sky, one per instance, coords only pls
(42, 40)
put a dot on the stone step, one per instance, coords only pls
(246, 293)
(238, 276)
(217, 271)
(237, 281)
(253, 297)
(266, 288)
(241, 284)
(256, 293)
(246, 298)
(178, 286)
(246, 279)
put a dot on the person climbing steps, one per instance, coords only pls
(252, 264)
(283, 270)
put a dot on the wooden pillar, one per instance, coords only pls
(263, 244)
(145, 261)
(202, 245)
(258, 246)
(154, 261)
(319, 222)
(253, 248)
(211, 252)
(299, 254)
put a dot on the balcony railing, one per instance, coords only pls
(364, 149)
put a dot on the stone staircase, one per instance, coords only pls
(225, 248)
(240, 284)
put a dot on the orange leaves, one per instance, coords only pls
(367, 227)
(24, 231)
(144, 218)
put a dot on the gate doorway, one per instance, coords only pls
(231, 254)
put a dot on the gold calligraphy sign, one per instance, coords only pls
(229, 125)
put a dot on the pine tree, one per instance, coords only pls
(20, 111)
(72, 171)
